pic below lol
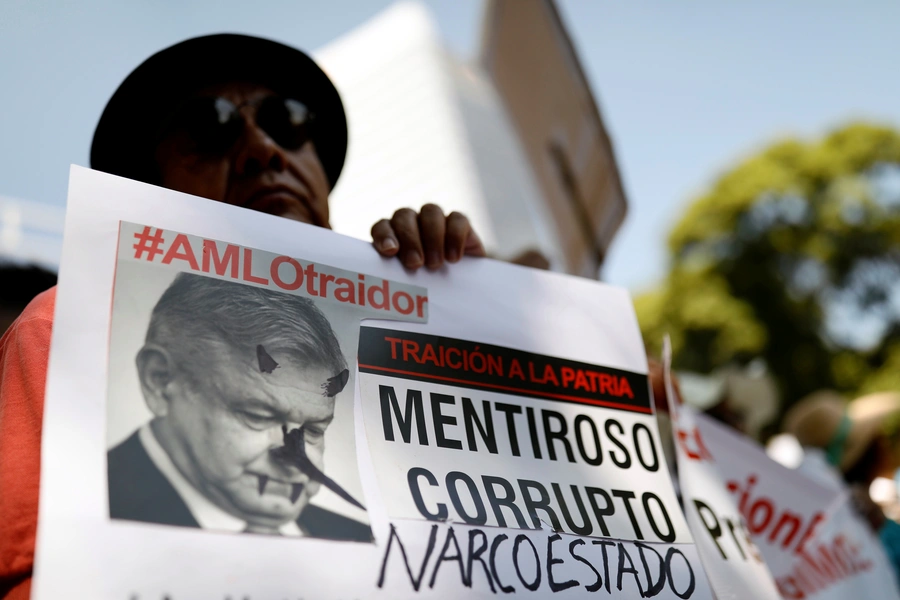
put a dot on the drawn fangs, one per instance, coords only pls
(296, 490)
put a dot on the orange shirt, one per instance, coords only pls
(24, 350)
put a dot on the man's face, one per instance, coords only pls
(255, 172)
(219, 433)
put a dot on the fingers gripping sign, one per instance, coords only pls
(426, 238)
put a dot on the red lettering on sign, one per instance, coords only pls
(181, 250)
(220, 264)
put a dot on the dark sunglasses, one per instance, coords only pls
(214, 123)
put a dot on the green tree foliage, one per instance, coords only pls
(794, 256)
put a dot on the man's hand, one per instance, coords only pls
(427, 238)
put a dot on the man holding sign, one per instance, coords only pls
(232, 118)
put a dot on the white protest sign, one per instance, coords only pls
(208, 433)
(845, 520)
(467, 432)
(735, 568)
(805, 531)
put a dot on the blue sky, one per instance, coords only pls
(685, 88)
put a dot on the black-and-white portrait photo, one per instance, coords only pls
(230, 408)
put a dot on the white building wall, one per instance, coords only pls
(408, 144)
(519, 215)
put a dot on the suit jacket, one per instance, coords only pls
(138, 491)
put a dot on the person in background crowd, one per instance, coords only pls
(861, 440)
(232, 118)
(18, 286)
(744, 398)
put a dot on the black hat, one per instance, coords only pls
(125, 138)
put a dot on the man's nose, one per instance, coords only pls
(276, 434)
(257, 152)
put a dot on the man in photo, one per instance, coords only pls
(241, 382)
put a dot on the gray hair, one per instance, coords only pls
(196, 314)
